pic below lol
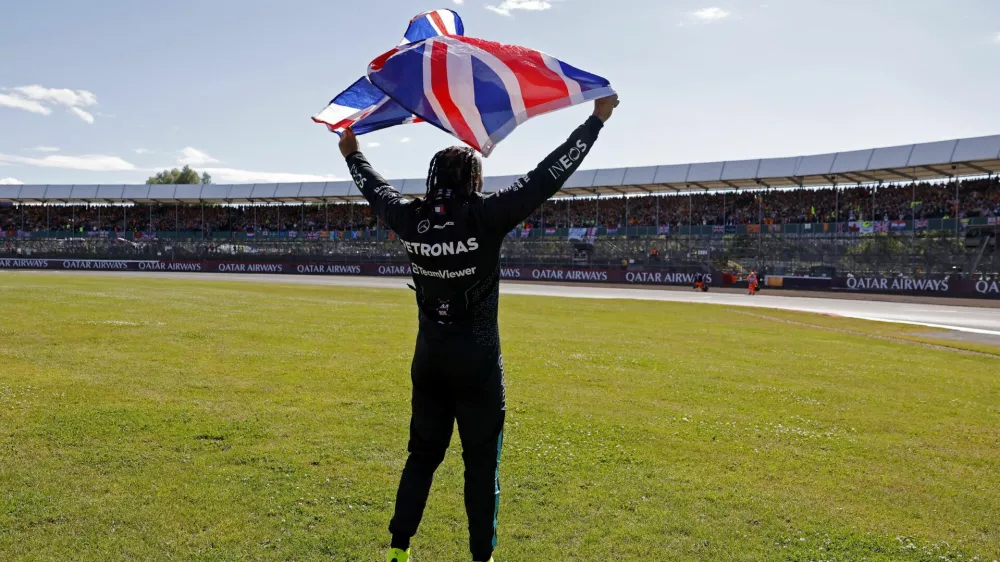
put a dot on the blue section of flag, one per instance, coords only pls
(359, 95)
(492, 98)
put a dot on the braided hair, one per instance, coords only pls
(454, 173)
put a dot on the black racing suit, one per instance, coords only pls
(457, 370)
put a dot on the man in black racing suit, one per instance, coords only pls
(453, 239)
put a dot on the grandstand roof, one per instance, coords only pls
(927, 161)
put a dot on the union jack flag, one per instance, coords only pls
(478, 90)
(366, 108)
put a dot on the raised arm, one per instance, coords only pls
(387, 203)
(506, 208)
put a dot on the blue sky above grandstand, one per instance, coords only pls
(109, 91)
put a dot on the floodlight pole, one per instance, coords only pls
(690, 206)
(957, 213)
(597, 222)
(657, 213)
(874, 188)
(836, 210)
(626, 216)
(760, 219)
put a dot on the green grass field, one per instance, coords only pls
(147, 419)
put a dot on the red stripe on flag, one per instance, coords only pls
(343, 124)
(539, 84)
(439, 84)
(379, 62)
(436, 18)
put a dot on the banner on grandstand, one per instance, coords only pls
(881, 226)
(663, 229)
(985, 288)
(892, 284)
(935, 286)
(922, 224)
(550, 231)
(753, 229)
(993, 221)
(718, 229)
(898, 225)
(731, 229)
(611, 230)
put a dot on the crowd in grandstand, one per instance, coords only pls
(186, 218)
(976, 198)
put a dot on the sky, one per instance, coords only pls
(110, 91)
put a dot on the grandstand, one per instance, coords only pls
(935, 205)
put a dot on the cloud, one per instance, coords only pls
(996, 38)
(404, 140)
(87, 162)
(46, 149)
(82, 114)
(143, 151)
(232, 175)
(18, 102)
(459, 2)
(39, 99)
(194, 157)
(10, 181)
(57, 96)
(374, 144)
(709, 15)
(507, 6)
